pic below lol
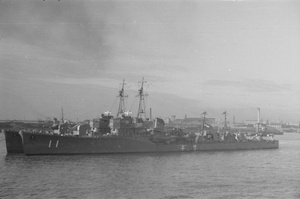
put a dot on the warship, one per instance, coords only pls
(128, 134)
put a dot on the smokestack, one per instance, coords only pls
(258, 115)
(258, 118)
(150, 114)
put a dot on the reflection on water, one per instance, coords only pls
(232, 174)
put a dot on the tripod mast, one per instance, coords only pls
(142, 106)
(121, 95)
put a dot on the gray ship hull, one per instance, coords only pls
(43, 144)
(13, 142)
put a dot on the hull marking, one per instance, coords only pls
(57, 143)
(50, 143)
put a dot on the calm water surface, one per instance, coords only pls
(235, 174)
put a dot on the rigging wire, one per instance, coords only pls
(174, 105)
(177, 106)
(133, 103)
(113, 104)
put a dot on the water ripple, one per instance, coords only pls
(232, 174)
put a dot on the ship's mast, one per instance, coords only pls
(121, 95)
(142, 106)
(204, 113)
(258, 120)
(225, 120)
(62, 115)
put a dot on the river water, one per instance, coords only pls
(271, 173)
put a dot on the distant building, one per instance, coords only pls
(290, 128)
(252, 122)
(193, 121)
(167, 120)
(276, 125)
(239, 125)
(173, 118)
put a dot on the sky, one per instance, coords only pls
(196, 56)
